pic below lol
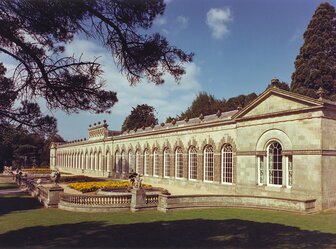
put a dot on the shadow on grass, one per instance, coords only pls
(176, 234)
(4, 186)
(17, 202)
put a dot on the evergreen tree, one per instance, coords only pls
(34, 34)
(315, 66)
(141, 116)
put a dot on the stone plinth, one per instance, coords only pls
(138, 200)
(54, 195)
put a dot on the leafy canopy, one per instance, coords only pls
(34, 34)
(207, 104)
(315, 66)
(141, 116)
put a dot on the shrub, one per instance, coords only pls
(85, 187)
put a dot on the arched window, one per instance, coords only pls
(274, 163)
(108, 161)
(123, 162)
(146, 162)
(137, 162)
(192, 161)
(155, 162)
(87, 160)
(99, 161)
(91, 160)
(178, 163)
(208, 163)
(166, 162)
(227, 164)
(130, 161)
(117, 162)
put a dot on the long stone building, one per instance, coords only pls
(281, 145)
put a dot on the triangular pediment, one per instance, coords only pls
(275, 100)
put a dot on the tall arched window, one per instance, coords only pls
(146, 162)
(108, 161)
(155, 162)
(91, 160)
(166, 162)
(274, 163)
(95, 160)
(117, 162)
(192, 163)
(137, 161)
(178, 163)
(99, 161)
(227, 164)
(208, 163)
(123, 162)
(130, 161)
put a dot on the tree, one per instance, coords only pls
(204, 103)
(141, 116)
(278, 84)
(315, 66)
(19, 147)
(207, 104)
(34, 33)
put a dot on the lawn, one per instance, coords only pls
(23, 223)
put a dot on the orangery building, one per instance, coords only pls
(281, 145)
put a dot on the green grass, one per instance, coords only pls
(25, 224)
(8, 185)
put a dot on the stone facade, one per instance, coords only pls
(280, 146)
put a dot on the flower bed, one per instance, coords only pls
(79, 179)
(85, 187)
(37, 170)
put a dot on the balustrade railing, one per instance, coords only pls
(152, 199)
(85, 200)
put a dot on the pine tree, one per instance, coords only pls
(315, 66)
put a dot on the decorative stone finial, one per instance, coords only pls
(218, 113)
(153, 125)
(275, 81)
(201, 117)
(320, 92)
(135, 129)
(143, 127)
(239, 107)
(94, 124)
(174, 121)
(186, 119)
(90, 126)
(104, 121)
(162, 124)
(98, 122)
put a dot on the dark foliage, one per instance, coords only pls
(315, 66)
(141, 116)
(34, 33)
(207, 104)
(19, 147)
(278, 84)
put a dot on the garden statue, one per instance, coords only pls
(132, 177)
(55, 176)
(138, 181)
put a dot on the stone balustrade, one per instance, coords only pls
(86, 203)
(119, 200)
(167, 203)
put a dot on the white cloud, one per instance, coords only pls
(217, 20)
(168, 99)
(160, 21)
(183, 21)
(296, 36)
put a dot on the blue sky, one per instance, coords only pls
(239, 46)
